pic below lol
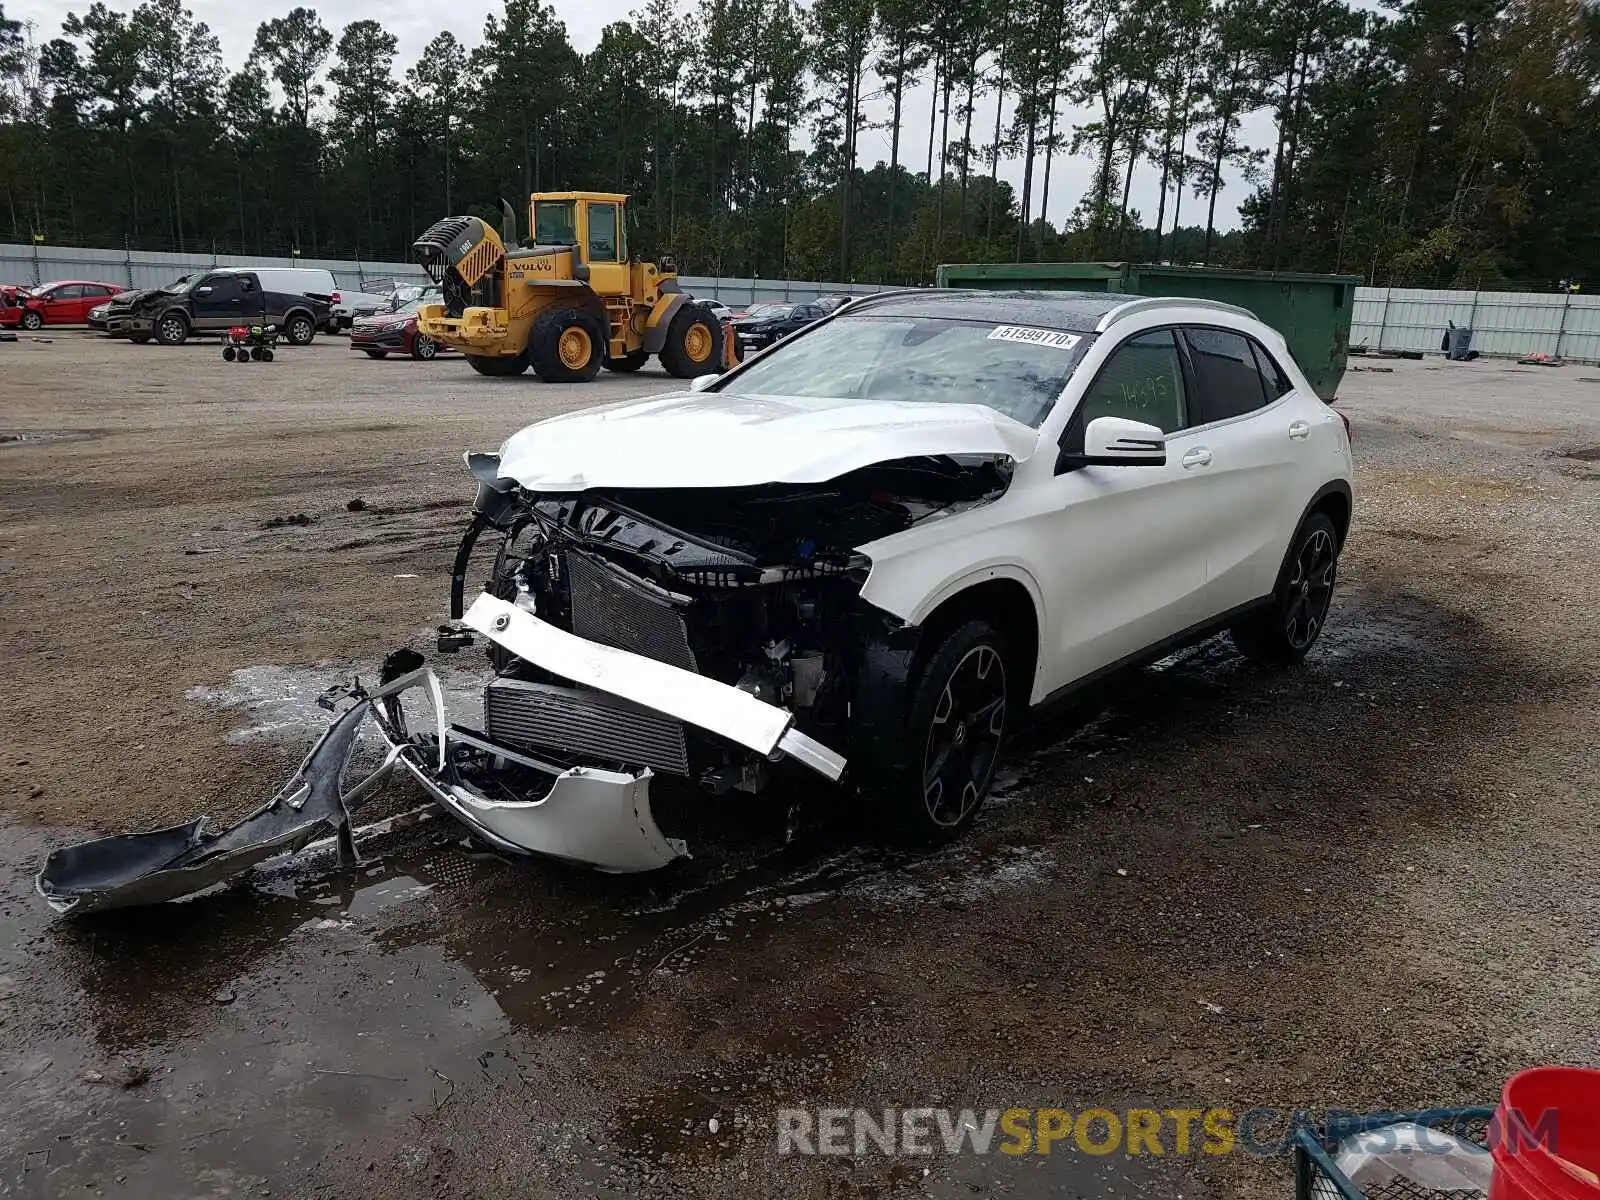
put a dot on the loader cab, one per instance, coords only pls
(595, 224)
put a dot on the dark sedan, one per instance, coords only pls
(766, 323)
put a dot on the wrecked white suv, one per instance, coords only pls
(864, 553)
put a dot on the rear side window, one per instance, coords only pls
(1142, 381)
(1227, 381)
(1272, 375)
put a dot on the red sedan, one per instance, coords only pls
(395, 332)
(65, 302)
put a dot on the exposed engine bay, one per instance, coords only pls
(717, 635)
(755, 587)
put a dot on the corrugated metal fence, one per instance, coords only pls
(1509, 324)
(1503, 324)
(142, 269)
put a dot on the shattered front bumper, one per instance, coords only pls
(596, 816)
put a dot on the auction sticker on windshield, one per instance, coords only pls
(1034, 337)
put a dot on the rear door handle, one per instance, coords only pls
(1198, 457)
(1299, 430)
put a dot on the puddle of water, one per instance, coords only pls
(280, 703)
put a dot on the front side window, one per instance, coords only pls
(920, 359)
(603, 233)
(1141, 381)
(223, 288)
(1227, 382)
(555, 223)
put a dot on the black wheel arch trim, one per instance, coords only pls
(655, 339)
(1334, 487)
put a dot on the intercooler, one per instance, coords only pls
(584, 723)
(612, 610)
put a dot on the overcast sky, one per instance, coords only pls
(415, 22)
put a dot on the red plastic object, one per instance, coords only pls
(1545, 1137)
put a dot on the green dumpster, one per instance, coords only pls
(1311, 311)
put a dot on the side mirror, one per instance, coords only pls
(1117, 442)
(701, 383)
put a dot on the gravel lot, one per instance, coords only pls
(1365, 883)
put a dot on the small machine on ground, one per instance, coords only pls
(250, 342)
(573, 301)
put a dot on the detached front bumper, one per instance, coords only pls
(596, 816)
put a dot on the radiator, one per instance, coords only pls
(614, 611)
(585, 723)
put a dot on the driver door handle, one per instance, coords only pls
(1299, 430)
(1198, 457)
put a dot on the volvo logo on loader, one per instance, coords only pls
(576, 301)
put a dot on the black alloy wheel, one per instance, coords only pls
(964, 735)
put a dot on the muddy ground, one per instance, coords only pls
(1365, 883)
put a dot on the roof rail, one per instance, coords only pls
(1133, 308)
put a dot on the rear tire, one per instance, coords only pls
(566, 345)
(1283, 632)
(301, 329)
(631, 363)
(694, 344)
(172, 329)
(499, 365)
(229, 354)
(925, 787)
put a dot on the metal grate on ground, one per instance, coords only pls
(1317, 1178)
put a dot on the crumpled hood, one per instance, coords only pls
(718, 439)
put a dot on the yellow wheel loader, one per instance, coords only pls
(568, 304)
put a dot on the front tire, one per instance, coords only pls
(566, 345)
(424, 348)
(376, 353)
(1283, 632)
(32, 321)
(498, 365)
(694, 344)
(301, 329)
(926, 789)
(172, 329)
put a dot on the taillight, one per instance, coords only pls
(336, 298)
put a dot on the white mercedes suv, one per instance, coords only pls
(896, 530)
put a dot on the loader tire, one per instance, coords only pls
(694, 344)
(626, 366)
(511, 364)
(566, 345)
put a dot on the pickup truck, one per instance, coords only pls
(215, 301)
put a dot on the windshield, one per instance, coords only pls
(181, 284)
(1014, 370)
(412, 306)
(555, 223)
(408, 299)
(772, 311)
